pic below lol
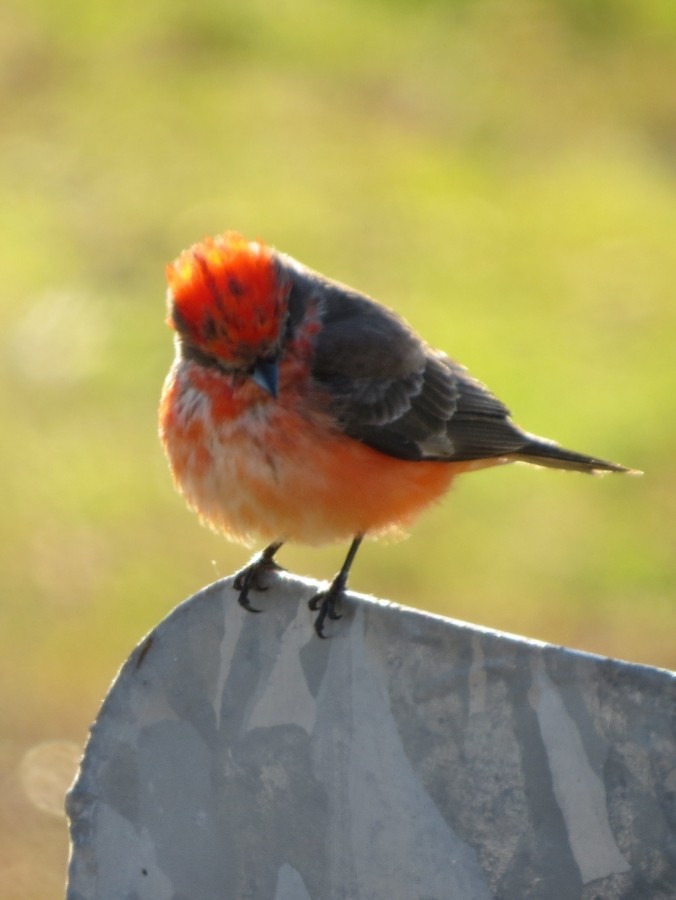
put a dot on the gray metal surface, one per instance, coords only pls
(408, 757)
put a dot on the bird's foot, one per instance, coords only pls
(254, 576)
(327, 602)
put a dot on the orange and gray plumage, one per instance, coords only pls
(298, 409)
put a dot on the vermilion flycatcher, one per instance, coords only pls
(298, 409)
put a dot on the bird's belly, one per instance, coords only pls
(270, 472)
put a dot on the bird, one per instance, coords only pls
(300, 409)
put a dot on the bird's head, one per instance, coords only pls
(227, 302)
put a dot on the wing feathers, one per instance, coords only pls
(388, 389)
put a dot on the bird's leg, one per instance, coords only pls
(250, 577)
(327, 601)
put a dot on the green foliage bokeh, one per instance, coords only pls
(502, 173)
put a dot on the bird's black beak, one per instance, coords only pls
(266, 375)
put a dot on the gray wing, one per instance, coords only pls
(389, 390)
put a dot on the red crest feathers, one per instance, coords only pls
(225, 295)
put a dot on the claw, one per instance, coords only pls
(252, 576)
(243, 600)
(326, 602)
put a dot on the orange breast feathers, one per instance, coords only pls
(254, 467)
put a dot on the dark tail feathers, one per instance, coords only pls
(541, 452)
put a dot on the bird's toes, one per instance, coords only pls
(239, 581)
(243, 583)
(326, 602)
(244, 602)
(254, 577)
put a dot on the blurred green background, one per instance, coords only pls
(502, 173)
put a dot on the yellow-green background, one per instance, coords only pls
(503, 173)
